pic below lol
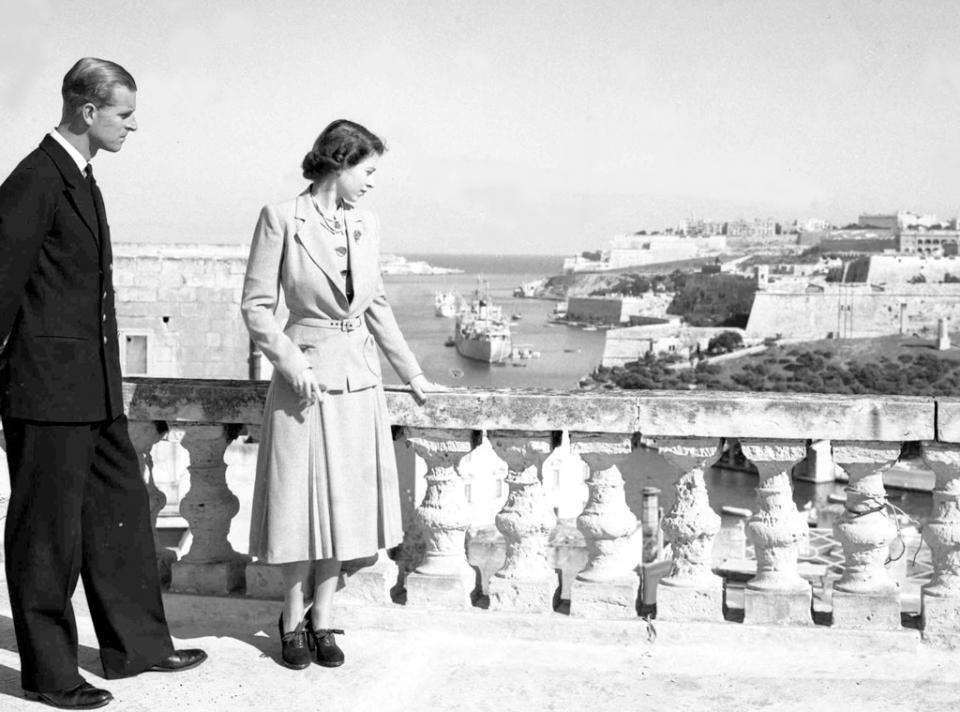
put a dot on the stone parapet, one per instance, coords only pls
(605, 430)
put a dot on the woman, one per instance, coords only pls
(326, 487)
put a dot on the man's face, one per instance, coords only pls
(110, 124)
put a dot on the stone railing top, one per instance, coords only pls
(948, 420)
(688, 413)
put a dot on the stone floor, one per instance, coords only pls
(401, 658)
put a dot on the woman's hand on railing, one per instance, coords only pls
(421, 387)
(308, 388)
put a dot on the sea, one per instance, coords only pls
(566, 353)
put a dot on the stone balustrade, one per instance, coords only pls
(524, 428)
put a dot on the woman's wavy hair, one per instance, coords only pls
(343, 144)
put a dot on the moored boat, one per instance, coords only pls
(445, 304)
(480, 332)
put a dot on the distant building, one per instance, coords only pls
(879, 221)
(760, 227)
(929, 242)
(616, 310)
(633, 249)
(634, 342)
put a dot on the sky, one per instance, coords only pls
(513, 126)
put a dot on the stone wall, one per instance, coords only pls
(901, 269)
(819, 311)
(185, 299)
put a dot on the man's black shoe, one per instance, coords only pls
(179, 660)
(82, 697)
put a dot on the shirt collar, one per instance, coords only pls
(71, 150)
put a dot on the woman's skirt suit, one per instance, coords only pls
(326, 481)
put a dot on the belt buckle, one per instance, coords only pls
(349, 324)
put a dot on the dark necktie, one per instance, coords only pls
(97, 200)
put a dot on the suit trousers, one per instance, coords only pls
(79, 507)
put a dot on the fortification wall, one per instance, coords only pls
(899, 269)
(851, 311)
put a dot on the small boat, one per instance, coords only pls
(450, 341)
(445, 304)
(516, 316)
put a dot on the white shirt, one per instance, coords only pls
(71, 150)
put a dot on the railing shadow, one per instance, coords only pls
(258, 632)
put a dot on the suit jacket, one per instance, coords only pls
(62, 358)
(291, 249)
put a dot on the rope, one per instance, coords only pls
(894, 513)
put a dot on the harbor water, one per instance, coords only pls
(566, 354)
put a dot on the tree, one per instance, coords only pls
(724, 343)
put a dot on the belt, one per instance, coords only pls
(351, 324)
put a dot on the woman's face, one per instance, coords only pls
(353, 182)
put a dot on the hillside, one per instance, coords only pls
(890, 365)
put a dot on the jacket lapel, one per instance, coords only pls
(359, 241)
(77, 188)
(310, 235)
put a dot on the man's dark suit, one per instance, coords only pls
(78, 504)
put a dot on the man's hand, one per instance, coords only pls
(308, 388)
(421, 387)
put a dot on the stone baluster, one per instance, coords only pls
(144, 434)
(609, 585)
(442, 575)
(777, 594)
(865, 596)
(211, 565)
(691, 591)
(526, 581)
(940, 598)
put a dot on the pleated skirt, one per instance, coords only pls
(326, 482)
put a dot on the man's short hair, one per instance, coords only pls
(93, 80)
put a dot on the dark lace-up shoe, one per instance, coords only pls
(296, 651)
(326, 652)
(179, 660)
(82, 697)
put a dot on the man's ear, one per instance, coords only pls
(87, 112)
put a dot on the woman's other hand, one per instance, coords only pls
(421, 387)
(308, 388)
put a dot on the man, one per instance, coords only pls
(78, 504)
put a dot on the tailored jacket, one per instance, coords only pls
(291, 249)
(61, 361)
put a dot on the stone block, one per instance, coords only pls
(940, 617)
(873, 611)
(370, 584)
(217, 578)
(442, 590)
(604, 599)
(777, 607)
(522, 595)
(682, 603)
(264, 581)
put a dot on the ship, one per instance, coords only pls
(445, 304)
(480, 332)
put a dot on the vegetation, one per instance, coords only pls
(724, 343)
(890, 366)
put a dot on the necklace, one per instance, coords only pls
(333, 223)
